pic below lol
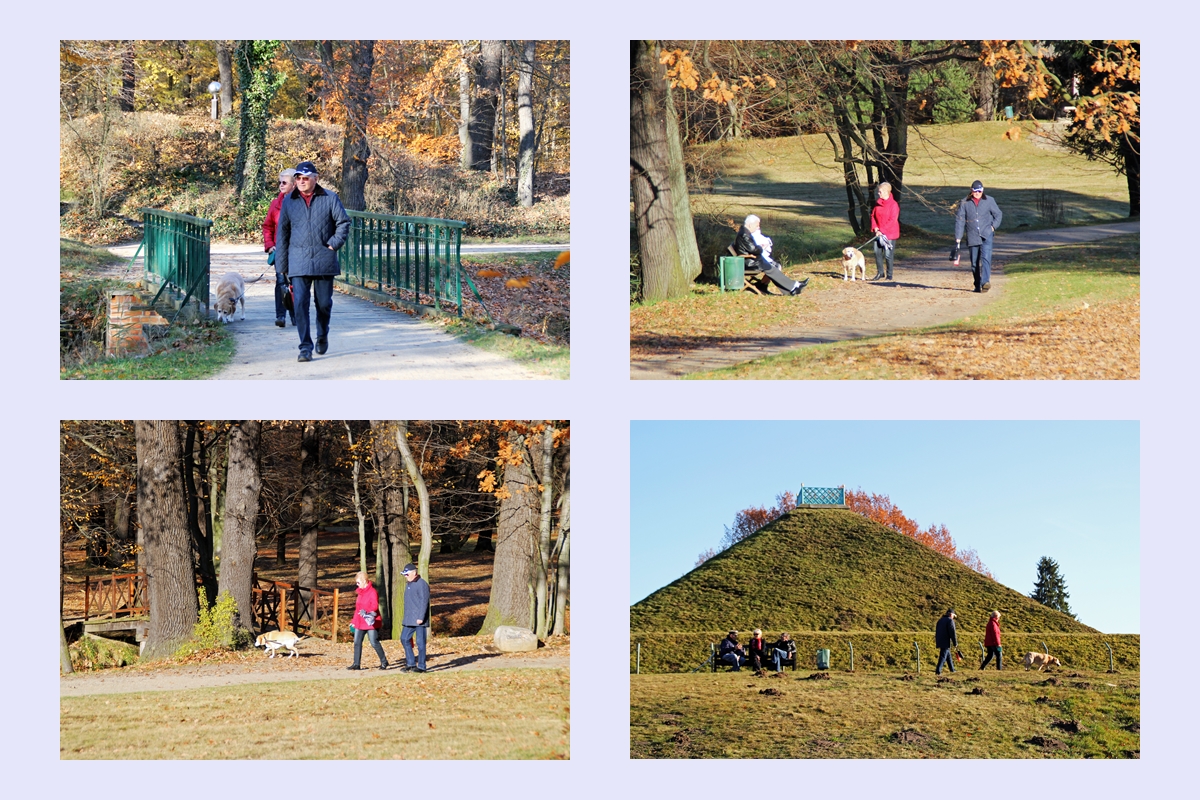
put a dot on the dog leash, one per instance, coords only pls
(867, 242)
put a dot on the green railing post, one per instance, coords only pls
(916, 645)
(1111, 666)
(639, 659)
(851, 655)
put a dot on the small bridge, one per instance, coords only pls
(121, 602)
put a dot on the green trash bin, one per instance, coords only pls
(732, 273)
(823, 659)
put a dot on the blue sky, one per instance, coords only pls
(1014, 491)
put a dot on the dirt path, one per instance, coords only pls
(319, 660)
(366, 341)
(928, 290)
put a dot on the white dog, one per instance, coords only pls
(852, 257)
(231, 292)
(1041, 661)
(274, 640)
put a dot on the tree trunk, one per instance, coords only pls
(465, 160)
(355, 149)
(201, 543)
(310, 446)
(225, 73)
(985, 93)
(358, 509)
(654, 214)
(258, 82)
(392, 511)
(511, 601)
(244, 484)
(64, 653)
(525, 152)
(482, 128)
(414, 475)
(562, 585)
(541, 563)
(1131, 153)
(163, 517)
(685, 230)
(128, 78)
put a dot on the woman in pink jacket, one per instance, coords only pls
(885, 221)
(991, 640)
(366, 621)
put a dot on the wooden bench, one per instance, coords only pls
(768, 659)
(756, 280)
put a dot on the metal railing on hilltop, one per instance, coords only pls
(821, 496)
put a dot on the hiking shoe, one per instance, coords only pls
(383, 666)
(302, 358)
(322, 346)
(279, 323)
(354, 666)
(987, 286)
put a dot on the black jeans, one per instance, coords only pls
(280, 288)
(992, 651)
(320, 289)
(881, 253)
(373, 635)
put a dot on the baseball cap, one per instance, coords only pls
(306, 168)
(408, 568)
(975, 187)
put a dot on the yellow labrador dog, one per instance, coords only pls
(1041, 661)
(231, 292)
(852, 257)
(274, 640)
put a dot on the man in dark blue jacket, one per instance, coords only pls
(946, 637)
(313, 226)
(978, 216)
(416, 617)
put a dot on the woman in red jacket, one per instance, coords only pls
(366, 621)
(885, 221)
(991, 640)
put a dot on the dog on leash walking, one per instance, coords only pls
(852, 257)
(231, 292)
(275, 640)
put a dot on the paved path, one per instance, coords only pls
(928, 290)
(366, 341)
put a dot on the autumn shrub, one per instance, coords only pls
(93, 653)
(215, 629)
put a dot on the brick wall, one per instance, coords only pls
(127, 317)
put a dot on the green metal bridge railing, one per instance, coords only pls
(177, 256)
(386, 255)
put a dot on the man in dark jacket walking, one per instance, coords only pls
(946, 637)
(416, 618)
(979, 217)
(313, 226)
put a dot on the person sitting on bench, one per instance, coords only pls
(751, 241)
(730, 652)
(785, 650)
(758, 650)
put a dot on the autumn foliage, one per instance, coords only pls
(877, 507)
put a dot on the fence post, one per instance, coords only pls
(335, 614)
(918, 657)
(1111, 667)
(639, 658)
(851, 655)
(87, 595)
(281, 600)
(1045, 649)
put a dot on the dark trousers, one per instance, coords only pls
(992, 651)
(320, 289)
(406, 634)
(882, 253)
(281, 289)
(981, 262)
(373, 635)
(945, 657)
(772, 271)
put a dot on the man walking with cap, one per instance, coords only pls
(946, 638)
(287, 182)
(979, 216)
(416, 617)
(313, 226)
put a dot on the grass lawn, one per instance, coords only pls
(190, 349)
(482, 714)
(1065, 312)
(970, 714)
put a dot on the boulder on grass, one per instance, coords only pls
(511, 639)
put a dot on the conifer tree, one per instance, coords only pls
(1050, 589)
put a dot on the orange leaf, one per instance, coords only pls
(518, 283)
(563, 258)
(489, 273)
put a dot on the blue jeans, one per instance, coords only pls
(280, 288)
(780, 657)
(320, 289)
(981, 262)
(406, 634)
(945, 657)
(373, 636)
(734, 660)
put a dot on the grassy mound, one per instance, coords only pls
(833, 570)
